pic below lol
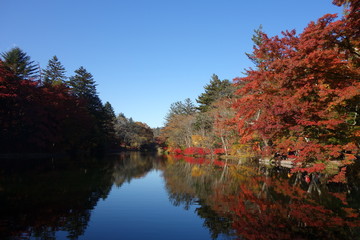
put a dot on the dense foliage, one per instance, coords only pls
(36, 118)
(300, 101)
(52, 115)
(304, 94)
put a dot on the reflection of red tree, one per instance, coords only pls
(267, 204)
(253, 218)
(194, 160)
(256, 215)
(198, 160)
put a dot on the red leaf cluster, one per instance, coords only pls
(196, 151)
(219, 151)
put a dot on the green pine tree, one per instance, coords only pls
(17, 61)
(257, 39)
(109, 119)
(109, 111)
(83, 86)
(54, 74)
(185, 107)
(215, 90)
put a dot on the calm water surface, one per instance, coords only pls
(144, 196)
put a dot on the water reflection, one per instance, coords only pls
(251, 201)
(42, 198)
(133, 165)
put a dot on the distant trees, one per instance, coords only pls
(133, 135)
(190, 126)
(178, 129)
(185, 107)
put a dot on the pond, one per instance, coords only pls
(146, 196)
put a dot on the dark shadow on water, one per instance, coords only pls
(39, 197)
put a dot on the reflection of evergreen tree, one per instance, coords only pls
(42, 197)
(77, 224)
(214, 222)
(68, 190)
(180, 198)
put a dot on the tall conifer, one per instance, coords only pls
(54, 73)
(214, 90)
(17, 61)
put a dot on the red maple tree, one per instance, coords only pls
(304, 94)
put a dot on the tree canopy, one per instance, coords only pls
(304, 95)
(301, 101)
(17, 61)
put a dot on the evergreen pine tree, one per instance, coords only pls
(214, 90)
(185, 107)
(54, 74)
(257, 39)
(109, 123)
(83, 86)
(17, 61)
(109, 111)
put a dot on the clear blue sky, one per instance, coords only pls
(146, 54)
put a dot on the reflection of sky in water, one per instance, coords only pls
(141, 210)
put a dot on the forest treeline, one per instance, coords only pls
(300, 100)
(44, 111)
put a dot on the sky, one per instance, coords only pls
(146, 54)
